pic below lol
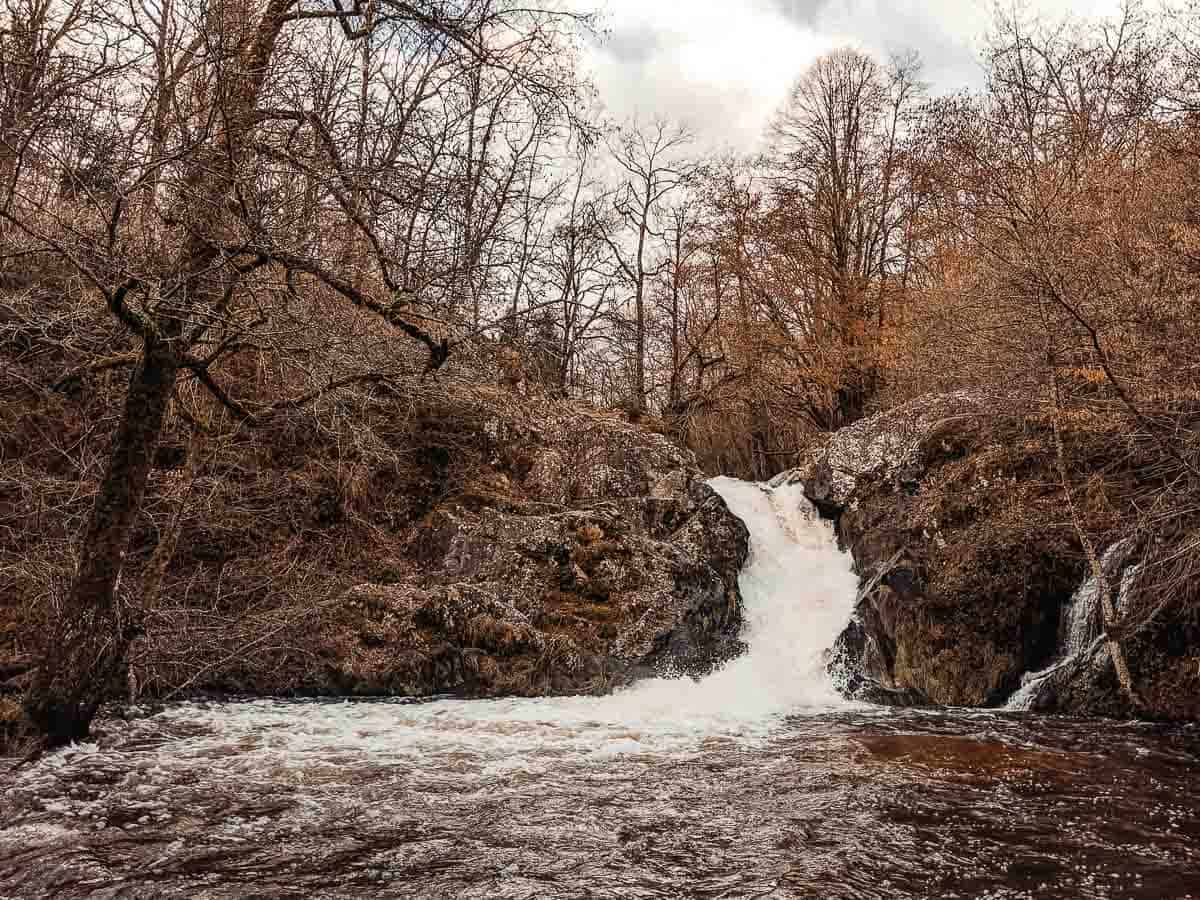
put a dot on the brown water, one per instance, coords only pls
(447, 799)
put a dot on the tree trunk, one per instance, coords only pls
(86, 651)
(639, 359)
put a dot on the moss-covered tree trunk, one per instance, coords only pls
(85, 649)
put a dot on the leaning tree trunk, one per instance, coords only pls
(84, 653)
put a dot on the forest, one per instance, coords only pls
(260, 260)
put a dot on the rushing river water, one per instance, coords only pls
(755, 782)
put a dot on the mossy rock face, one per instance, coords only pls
(556, 579)
(962, 549)
(561, 602)
(968, 559)
(469, 539)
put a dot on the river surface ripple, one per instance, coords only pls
(322, 799)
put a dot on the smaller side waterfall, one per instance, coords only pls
(1079, 632)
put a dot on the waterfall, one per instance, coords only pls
(798, 593)
(1082, 626)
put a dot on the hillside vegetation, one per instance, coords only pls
(282, 279)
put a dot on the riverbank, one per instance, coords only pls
(461, 538)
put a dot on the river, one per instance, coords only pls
(758, 781)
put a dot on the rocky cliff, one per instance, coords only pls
(969, 561)
(599, 556)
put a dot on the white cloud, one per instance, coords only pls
(947, 33)
(721, 72)
(723, 66)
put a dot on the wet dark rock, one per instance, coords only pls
(963, 558)
(968, 562)
(573, 579)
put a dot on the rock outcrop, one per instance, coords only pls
(964, 558)
(424, 535)
(598, 556)
(969, 567)
(1162, 653)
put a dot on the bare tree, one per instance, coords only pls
(210, 158)
(651, 165)
(53, 57)
(834, 152)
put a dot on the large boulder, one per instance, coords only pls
(431, 535)
(599, 555)
(957, 530)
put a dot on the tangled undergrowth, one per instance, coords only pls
(251, 538)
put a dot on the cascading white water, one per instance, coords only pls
(1082, 628)
(798, 593)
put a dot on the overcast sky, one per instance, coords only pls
(724, 65)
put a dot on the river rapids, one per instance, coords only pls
(757, 781)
